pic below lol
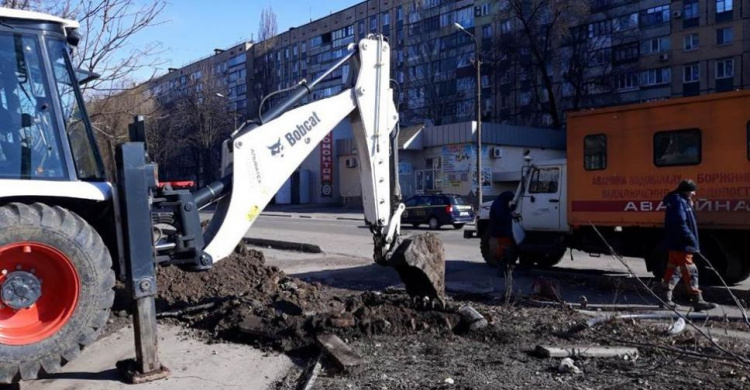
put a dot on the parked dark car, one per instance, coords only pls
(437, 210)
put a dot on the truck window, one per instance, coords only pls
(545, 181)
(679, 147)
(595, 152)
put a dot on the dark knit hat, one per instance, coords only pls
(686, 185)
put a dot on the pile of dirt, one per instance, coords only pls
(243, 300)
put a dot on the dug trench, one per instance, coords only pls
(406, 345)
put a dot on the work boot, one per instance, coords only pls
(699, 304)
(667, 298)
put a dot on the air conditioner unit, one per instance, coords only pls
(664, 57)
(496, 152)
(351, 162)
(677, 14)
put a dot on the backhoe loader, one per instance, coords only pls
(66, 233)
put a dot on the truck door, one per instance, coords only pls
(541, 203)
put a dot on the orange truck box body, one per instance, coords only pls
(628, 192)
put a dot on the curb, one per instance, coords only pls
(283, 245)
(305, 216)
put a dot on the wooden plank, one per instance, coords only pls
(341, 353)
(584, 351)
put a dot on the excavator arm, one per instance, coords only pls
(260, 160)
(260, 157)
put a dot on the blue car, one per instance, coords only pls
(437, 210)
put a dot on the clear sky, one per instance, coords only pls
(191, 29)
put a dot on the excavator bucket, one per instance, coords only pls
(420, 263)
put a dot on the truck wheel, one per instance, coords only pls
(726, 259)
(433, 223)
(484, 247)
(544, 260)
(56, 289)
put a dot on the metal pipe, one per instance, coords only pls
(646, 316)
(212, 191)
(165, 246)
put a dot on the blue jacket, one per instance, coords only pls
(680, 224)
(501, 216)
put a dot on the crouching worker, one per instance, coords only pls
(502, 245)
(681, 237)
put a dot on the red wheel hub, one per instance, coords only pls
(46, 287)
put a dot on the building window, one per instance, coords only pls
(723, 6)
(655, 45)
(656, 76)
(691, 42)
(691, 73)
(655, 16)
(487, 31)
(690, 9)
(373, 23)
(681, 147)
(386, 19)
(545, 181)
(725, 68)
(506, 26)
(724, 36)
(595, 152)
(399, 13)
(626, 81)
(626, 53)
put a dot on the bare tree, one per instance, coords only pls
(537, 29)
(107, 28)
(110, 116)
(198, 119)
(264, 75)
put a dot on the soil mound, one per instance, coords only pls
(243, 300)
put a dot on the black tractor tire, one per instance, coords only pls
(458, 225)
(484, 247)
(76, 240)
(433, 223)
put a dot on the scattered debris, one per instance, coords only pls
(341, 353)
(473, 320)
(585, 351)
(307, 380)
(677, 327)
(449, 381)
(568, 366)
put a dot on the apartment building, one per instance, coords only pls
(223, 74)
(634, 51)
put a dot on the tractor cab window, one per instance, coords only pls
(82, 143)
(29, 143)
(544, 181)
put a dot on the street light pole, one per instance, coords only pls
(478, 65)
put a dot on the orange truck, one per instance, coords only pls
(621, 162)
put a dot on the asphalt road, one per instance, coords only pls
(352, 238)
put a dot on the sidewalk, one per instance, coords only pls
(315, 211)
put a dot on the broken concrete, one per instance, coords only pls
(341, 353)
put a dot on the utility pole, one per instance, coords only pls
(478, 65)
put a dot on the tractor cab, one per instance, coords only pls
(45, 133)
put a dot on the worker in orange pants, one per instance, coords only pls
(502, 245)
(682, 243)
